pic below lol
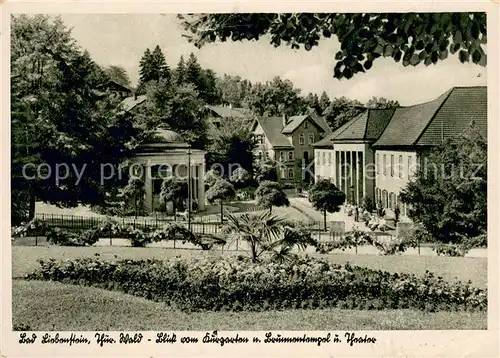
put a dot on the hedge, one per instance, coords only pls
(236, 284)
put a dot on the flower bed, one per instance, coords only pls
(230, 284)
(111, 228)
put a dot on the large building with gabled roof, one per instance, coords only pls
(413, 131)
(376, 153)
(347, 157)
(288, 141)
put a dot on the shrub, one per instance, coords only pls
(230, 284)
(357, 238)
(463, 247)
(380, 210)
(35, 227)
(62, 237)
(369, 205)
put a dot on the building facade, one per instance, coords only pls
(289, 142)
(346, 156)
(169, 156)
(377, 153)
(412, 133)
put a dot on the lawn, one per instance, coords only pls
(24, 260)
(53, 306)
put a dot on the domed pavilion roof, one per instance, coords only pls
(163, 135)
(166, 138)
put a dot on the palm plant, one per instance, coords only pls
(266, 233)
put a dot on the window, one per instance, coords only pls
(410, 166)
(385, 164)
(260, 155)
(324, 158)
(260, 139)
(330, 158)
(306, 124)
(283, 174)
(310, 138)
(392, 165)
(317, 157)
(282, 156)
(301, 139)
(400, 169)
(290, 173)
(378, 163)
(267, 155)
(290, 155)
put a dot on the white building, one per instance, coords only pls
(376, 153)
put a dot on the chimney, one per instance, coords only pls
(285, 120)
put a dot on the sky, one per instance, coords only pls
(121, 39)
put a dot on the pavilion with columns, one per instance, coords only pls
(168, 155)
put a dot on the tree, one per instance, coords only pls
(180, 71)
(324, 102)
(193, 71)
(414, 38)
(265, 233)
(270, 194)
(118, 74)
(221, 191)
(240, 178)
(134, 191)
(145, 70)
(209, 91)
(381, 103)
(275, 98)
(312, 101)
(233, 90)
(59, 116)
(266, 170)
(448, 194)
(211, 177)
(232, 144)
(152, 67)
(161, 69)
(341, 110)
(173, 191)
(176, 107)
(326, 197)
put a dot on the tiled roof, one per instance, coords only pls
(367, 125)
(130, 102)
(321, 121)
(272, 127)
(295, 121)
(431, 122)
(377, 122)
(463, 105)
(228, 112)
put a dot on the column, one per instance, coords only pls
(337, 169)
(364, 180)
(355, 177)
(333, 169)
(201, 187)
(148, 189)
(361, 177)
(342, 171)
(351, 182)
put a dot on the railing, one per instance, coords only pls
(200, 226)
